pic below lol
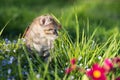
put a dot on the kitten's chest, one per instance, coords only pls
(46, 44)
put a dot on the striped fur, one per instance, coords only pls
(41, 34)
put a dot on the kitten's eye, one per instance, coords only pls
(50, 29)
(55, 32)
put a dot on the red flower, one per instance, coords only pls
(68, 70)
(72, 67)
(118, 78)
(108, 65)
(116, 60)
(96, 73)
(73, 61)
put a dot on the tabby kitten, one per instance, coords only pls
(40, 35)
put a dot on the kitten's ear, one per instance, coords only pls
(42, 21)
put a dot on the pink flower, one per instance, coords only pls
(72, 67)
(118, 78)
(108, 65)
(73, 61)
(96, 73)
(116, 60)
(68, 70)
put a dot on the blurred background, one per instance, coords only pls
(101, 14)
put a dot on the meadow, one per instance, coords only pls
(88, 42)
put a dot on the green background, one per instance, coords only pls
(102, 14)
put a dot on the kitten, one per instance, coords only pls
(41, 34)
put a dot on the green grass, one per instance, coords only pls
(17, 63)
(90, 33)
(103, 14)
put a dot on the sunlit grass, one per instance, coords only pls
(17, 63)
(90, 34)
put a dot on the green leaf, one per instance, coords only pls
(4, 27)
(84, 77)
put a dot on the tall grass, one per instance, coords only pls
(17, 63)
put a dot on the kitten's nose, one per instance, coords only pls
(55, 32)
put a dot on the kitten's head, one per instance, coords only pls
(49, 27)
(45, 26)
